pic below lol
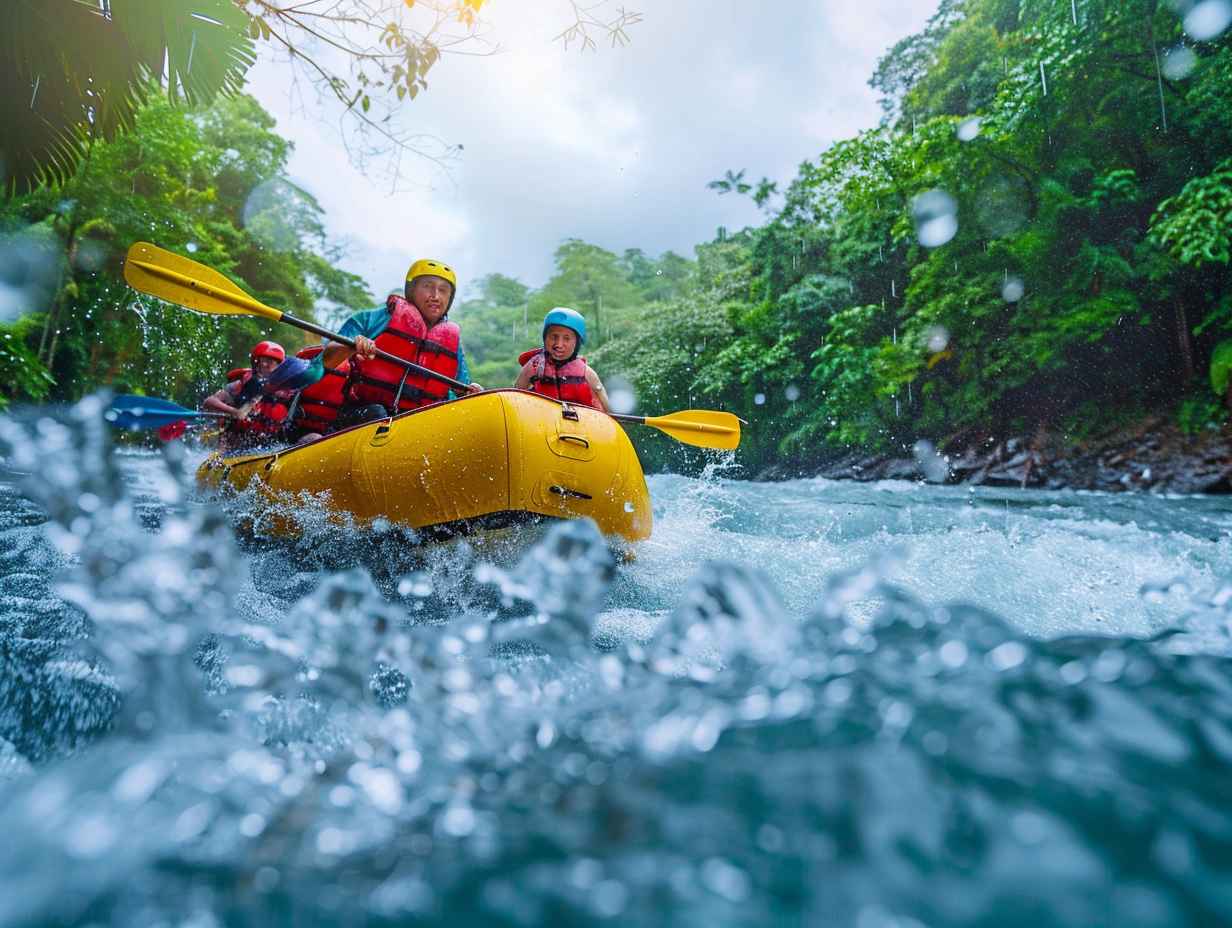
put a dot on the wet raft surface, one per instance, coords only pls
(805, 703)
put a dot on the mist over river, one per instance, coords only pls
(802, 703)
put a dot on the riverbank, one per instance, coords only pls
(1153, 455)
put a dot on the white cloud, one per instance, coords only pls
(615, 147)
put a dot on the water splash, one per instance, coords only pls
(307, 746)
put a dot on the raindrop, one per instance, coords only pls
(1206, 19)
(759, 399)
(629, 507)
(29, 273)
(1012, 290)
(792, 393)
(932, 465)
(936, 218)
(192, 247)
(1001, 206)
(1179, 63)
(270, 214)
(968, 129)
(938, 337)
(89, 255)
(622, 396)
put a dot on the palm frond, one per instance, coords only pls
(69, 73)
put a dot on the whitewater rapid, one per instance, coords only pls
(801, 703)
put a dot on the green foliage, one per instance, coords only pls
(22, 374)
(496, 328)
(206, 183)
(1088, 274)
(1199, 412)
(593, 281)
(1196, 224)
(1221, 367)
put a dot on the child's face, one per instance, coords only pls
(559, 342)
(265, 366)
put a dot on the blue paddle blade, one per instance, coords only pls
(291, 374)
(148, 412)
(129, 402)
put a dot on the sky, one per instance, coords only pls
(613, 146)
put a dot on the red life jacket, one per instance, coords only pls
(320, 402)
(269, 412)
(559, 381)
(407, 336)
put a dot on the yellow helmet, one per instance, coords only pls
(426, 266)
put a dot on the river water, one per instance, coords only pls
(810, 702)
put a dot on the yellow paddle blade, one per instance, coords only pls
(705, 428)
(180, 280)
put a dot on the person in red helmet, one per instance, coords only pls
(258, 413)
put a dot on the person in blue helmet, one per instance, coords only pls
(557, 370)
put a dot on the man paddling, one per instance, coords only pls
(414, 327)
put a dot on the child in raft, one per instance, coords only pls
(555, 370)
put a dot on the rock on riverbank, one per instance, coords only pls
(1153, 455)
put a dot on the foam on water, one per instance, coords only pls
(808, 702)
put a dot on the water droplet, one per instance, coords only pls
(932, 464)
(1007, 656)
(1179, 63)
(759, 399)
(1206, 19)
(792, 393)
(1012, 290)
(938, 338)
(953, 654)
(191, 247)
(458, 821)
(936, 218)
(269, 214)
(621, 395)
(968, 129)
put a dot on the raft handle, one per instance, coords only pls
(565, 491)
(576, 439)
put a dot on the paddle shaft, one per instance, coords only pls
(257, 308)
(211, 295)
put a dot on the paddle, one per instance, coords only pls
(705, 428)
(180, 280)
(128, 411)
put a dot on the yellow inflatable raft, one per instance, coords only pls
(484, 461)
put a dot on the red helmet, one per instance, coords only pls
(269, 350)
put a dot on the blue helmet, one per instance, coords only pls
(569, 318)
